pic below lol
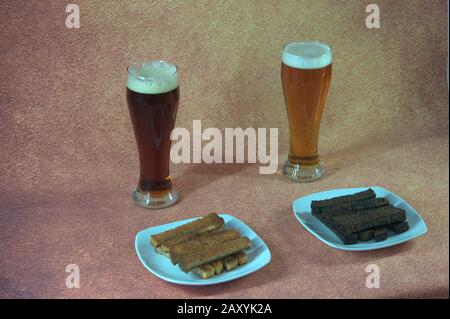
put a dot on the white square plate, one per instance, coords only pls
(258, 255)
(302, 210)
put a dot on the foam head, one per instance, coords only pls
(153, 77)
(307, 55)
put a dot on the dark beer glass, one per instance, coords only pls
(306, 78)
(152, 98)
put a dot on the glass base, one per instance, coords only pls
(303, 173)
(155, 201)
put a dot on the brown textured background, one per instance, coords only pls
(68, 160)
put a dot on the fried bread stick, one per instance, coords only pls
(354, 223)
(380, 234)
(162, 252)
(230, 262)
(319, 205)
(201, 242)
(399, 228)
(366, 235)
(204, 271)
(241, 257)
(190, 261)
(180, 233)
(218, 267)
(166, 245)
(351, 207)
(346, 237)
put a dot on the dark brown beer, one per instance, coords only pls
(152, 98)
(153, 118)
(305, 93)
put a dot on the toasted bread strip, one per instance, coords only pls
(162, 252)
(377, 218)
(203, 224)
(318, 205)
(190, 261)
(230, 263)
(340, 230)
(218, 266)
(181, 238)
(366, 235)
(201, 242)
(380, 234)
(399, 228)
(204, 271)
(241, 257)
(166, 245)
(351, 207)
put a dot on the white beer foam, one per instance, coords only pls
(307, 55)
(153, 77)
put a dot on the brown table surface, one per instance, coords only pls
(68, 157)
(94, 227)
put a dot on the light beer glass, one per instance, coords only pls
(152, 98)
(305, 77)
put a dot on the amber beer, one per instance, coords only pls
(306, 77)
(152, 97)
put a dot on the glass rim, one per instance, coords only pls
(309, 41)
(148, 78)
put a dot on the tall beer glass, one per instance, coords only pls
(152, 97)
(306, 77)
